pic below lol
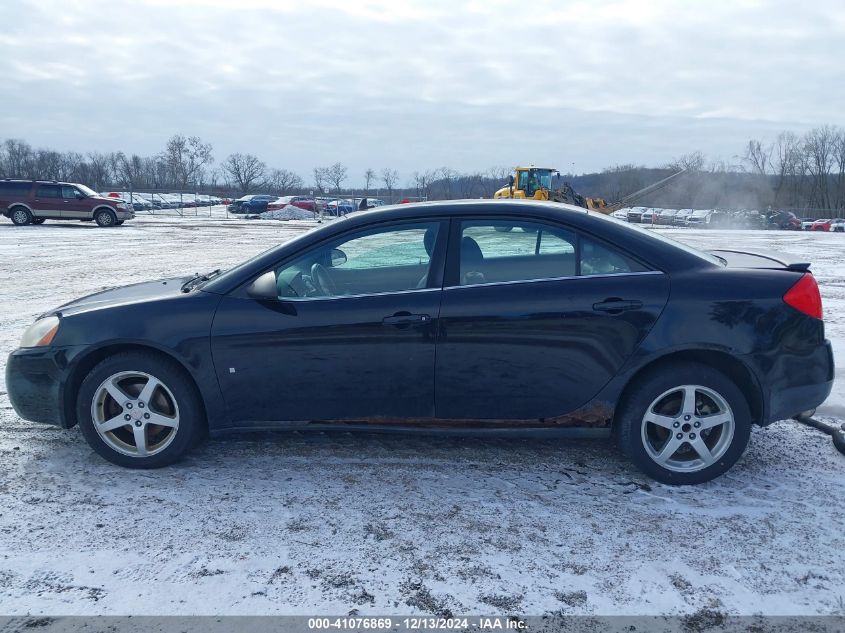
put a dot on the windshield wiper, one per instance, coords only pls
(197, 279)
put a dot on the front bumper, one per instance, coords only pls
(124, 214)
(35, 382)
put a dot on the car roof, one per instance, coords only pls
(659, 251)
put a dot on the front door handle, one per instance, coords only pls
(615, 305)
(405, 319)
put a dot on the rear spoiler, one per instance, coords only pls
(758, 259)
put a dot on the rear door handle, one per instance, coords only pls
(615, 305)
(405, 318)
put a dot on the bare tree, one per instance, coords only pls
(284, 181)
(389, 177)
(758, 157)
(245, 171)
(471, 185)
(819, 148)
(423, 182)
(694, 161)
(321, 178)
(336, 174)
(101, 174)
(187, 157)
(447, 177)
(18, 159)
(369, 177)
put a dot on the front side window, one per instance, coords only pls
(495, 251)
(69, 193)
(388, 259)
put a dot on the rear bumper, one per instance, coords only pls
(814, 375)
(35, 381)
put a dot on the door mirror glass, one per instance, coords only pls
(338, 257)
(264, 287)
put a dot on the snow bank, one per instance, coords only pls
(289, 212)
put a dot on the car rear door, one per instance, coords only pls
(536, 319)
(349, 338)
(47, 201)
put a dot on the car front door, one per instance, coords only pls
(75, 206)
(351, 335)
(47, 202)
(536, 319)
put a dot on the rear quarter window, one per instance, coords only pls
(14, 189)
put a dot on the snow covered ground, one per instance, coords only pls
(390, 524)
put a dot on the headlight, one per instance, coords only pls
(41, 333)
(121, 205)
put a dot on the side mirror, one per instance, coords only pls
(337, 257)
(264, 287)
(80, 195)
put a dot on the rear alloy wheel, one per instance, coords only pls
(105, 217)
(686, 424)
(138, 410)
(21, 216)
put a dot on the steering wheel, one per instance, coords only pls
(322, 280)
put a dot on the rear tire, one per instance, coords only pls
(105, 218)
(21, 216)
(677, 438)
(139, 410)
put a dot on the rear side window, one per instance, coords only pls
(495, 251)
(15, 189)
(48, 191)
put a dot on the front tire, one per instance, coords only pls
(139, 410)
(684, 424)
(39, 220)
(105, 218)
(21, 216)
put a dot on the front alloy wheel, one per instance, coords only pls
(135, 414)
(139, 409)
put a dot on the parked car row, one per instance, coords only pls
(259, 203)
(728, 219)
(140, 201)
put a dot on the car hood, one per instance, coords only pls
(122, 295)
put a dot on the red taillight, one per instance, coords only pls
(804, 296)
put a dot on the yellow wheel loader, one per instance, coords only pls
(535, 183)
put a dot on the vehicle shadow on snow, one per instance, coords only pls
(481, 462)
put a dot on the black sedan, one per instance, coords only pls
(495, 315)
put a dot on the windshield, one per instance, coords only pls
(87, 190)
(656, 234)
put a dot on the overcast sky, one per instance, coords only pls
(421, 84)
